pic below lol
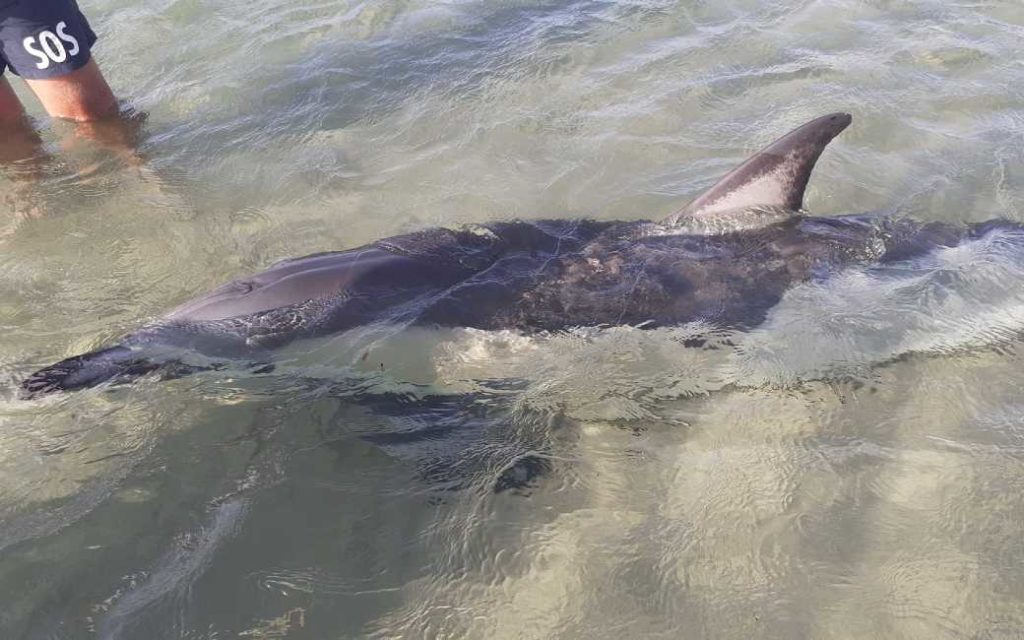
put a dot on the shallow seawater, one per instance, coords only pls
(852, 468)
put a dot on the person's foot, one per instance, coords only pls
(16, 211)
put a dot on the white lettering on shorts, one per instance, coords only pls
(68, 38)
(53, 49)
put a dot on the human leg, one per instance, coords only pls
(82, 95)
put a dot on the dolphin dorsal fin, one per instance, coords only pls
(776, 176)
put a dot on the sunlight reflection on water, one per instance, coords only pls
(864, 485)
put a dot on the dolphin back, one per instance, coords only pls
(448, 277)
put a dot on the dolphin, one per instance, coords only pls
(726, 258)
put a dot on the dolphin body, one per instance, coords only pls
(726, 258)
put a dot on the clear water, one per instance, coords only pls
(854, 468)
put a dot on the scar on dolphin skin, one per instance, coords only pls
(726, 258)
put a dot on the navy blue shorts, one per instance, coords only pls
(43, 38)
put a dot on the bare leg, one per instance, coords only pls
(20, 141)
(10, 106)
(82, 95)
(21, 154)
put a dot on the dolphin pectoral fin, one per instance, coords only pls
(114, 365)
(776, 176)
(262, 368)
(88, 370)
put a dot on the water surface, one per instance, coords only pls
(854, 468)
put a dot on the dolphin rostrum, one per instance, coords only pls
(546, 275)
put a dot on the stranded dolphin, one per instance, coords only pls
(726, 258)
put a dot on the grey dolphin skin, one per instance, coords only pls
(534, 276)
